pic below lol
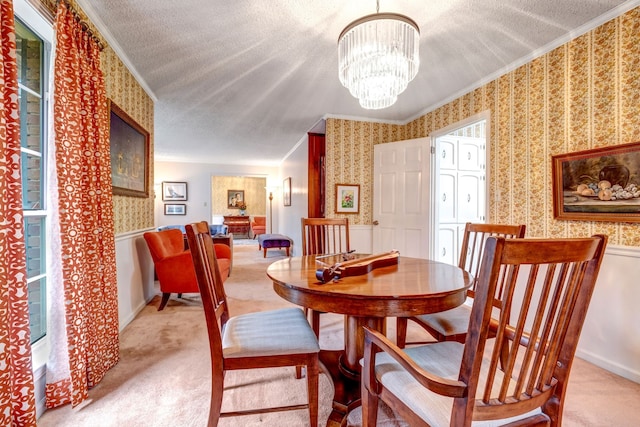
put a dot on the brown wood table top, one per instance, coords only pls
(412, 287)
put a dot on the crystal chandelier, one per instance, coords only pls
(378, 57)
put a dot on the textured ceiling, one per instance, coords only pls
(241, 82)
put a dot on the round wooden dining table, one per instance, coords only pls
(414, 286)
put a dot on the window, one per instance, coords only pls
(32, 81)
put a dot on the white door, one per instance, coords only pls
(460, 187)
(401, 197)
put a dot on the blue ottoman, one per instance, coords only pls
(266, 241)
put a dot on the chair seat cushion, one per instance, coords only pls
(448, 323)
(269, 333)
(443, 359)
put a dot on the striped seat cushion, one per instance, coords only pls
(269, 333)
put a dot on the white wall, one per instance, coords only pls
(296, 167)
(198, 179)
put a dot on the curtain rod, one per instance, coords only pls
(83, 24)
(48, 9)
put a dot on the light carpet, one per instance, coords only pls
(163, 377)
(245, 242)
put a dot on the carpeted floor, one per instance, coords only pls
(245, 242)
(163, 377)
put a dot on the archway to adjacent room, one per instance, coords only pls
(228, 191)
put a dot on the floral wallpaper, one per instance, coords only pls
(130, 213)
(349, 160)
(582, 95)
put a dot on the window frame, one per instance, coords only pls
(43, 28)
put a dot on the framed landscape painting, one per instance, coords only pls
(129, 144)
(602, 184)
(175, 209)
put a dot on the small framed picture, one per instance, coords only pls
(175, 209)
(286, 192)
(235, 199)
(174, 191)
(347, 198)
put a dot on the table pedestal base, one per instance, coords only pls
(346, 396)
(344, 366)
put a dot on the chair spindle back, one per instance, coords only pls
(322, 236)
(547, 288)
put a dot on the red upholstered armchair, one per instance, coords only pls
(258, 225)
(174, 265)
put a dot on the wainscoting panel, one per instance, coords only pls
(610, 337)
(135, 275)
(360, 238)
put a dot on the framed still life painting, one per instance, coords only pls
(602, 184)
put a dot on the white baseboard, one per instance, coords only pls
(39, 381)
(610, 366)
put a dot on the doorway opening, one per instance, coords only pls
(238, 197)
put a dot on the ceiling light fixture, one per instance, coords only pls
(378, 57)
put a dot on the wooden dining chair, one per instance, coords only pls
(323, 236)
(452, 325)
(263, 339)
(548, 286)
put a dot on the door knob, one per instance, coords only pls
(375, 222)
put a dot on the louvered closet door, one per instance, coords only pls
(448, 244)
(470, 180)
(461, 198)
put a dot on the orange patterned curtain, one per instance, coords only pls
(17, 402)
(84, 336)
